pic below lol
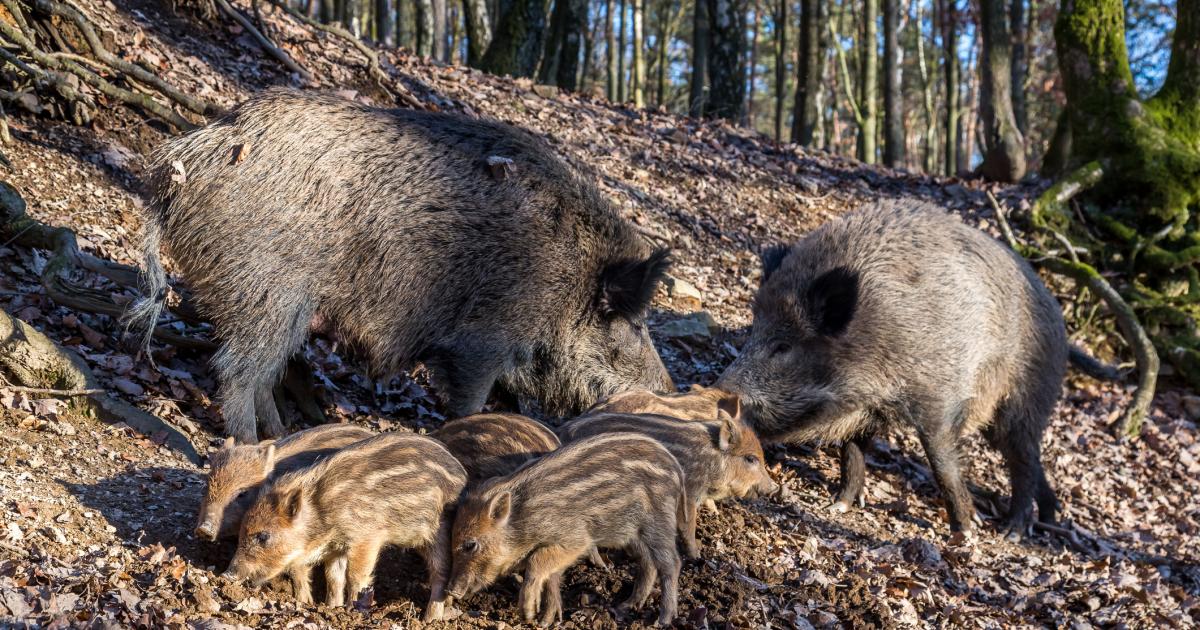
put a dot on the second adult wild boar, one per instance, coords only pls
(392, 226)
(900, 313)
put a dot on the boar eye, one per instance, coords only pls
(781, 348)
(751, 459)
(470, 546)
(262, 537)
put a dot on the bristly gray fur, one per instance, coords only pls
(302, 207)
(144, 312)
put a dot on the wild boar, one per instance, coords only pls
(901, 314)
(236, 473)
(618, 490)
(393, 489)
(698, 403)
(395, 229)
(720, 459)
(494, 444)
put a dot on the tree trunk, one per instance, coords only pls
(548, 69)
(424, 27)
(479, 30)
(574, 25)
(403, 34)
(929, 147)
(868, 82)
(1004, 147)
(589, 49)
(610, 56)
(313, 8)
(439, 30)
(893, 96)
(517, 44)
(781, 51)
(752, 64)
(1019, 67)
(700, 42)
(727, 21)
(808, 73)
(622, 93)
(953, 94)
(639, 55)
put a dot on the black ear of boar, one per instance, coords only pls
(832, 299)
(627, 287)
(772, 257)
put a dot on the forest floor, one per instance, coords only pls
(96, 520)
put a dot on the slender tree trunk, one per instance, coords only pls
(781, 51)
(929, 139)
(610, 56)
(1004, 156)
(440, 50)
(479, 30)
(574, 26)
(953, 95)
(700, 42)
(661, 52)
(383, 22)
(424, 27)
(752, 64)
(313, 8)
(517, 43)
(622, 93)
(1019, 66)
(589, 49)
(970, 109)
(403, 33)
(869, 82)
(808, 73)
(548, 69)
(639, 55)
(893, 95)
(727, 96)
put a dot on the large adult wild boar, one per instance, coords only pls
(902, 314)
(392, 226)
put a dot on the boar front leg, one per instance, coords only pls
(437, 561)
(540, 567)
(335, 581)
(941, 448)
(854, 474)
(466, 378)
(301, 577)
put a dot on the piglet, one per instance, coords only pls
(493, 444)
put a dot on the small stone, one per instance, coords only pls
(683, 292)
(698, 325)
(129, 387)
(545, 91)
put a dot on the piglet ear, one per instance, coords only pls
(500, 507)
(772, 257)
(729, 406)
(269, 459)
(729, 434)
(627, 287)
(293, 503)
(832, 299)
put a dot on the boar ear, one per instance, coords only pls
(832, 299)
(772, 257)
(500, 507)
(627, 287)
(730, 405)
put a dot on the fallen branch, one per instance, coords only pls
(197, 105)
(262, 40)
(45, 391)
(35, 361)
(374, 69)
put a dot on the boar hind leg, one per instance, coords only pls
(647, 574)
(941, 448)
(666, 560)
(540, 567)
(687, 527)
(854, 474)
(1021, 448)
(360, 567)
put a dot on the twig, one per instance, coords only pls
(68, 393)
(1005, 229)
(265, 43)
(17, 550)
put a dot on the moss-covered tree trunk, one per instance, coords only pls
(1144, 208)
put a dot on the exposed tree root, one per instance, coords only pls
(34, 360)
(1055, 198)
(18, 227)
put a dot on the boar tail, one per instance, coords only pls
(1094, 367)
(144, 312)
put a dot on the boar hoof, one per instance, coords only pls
(711, 506)
(840, 506)
(434, 612)
(549, 616)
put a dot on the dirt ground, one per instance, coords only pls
(96, 520)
